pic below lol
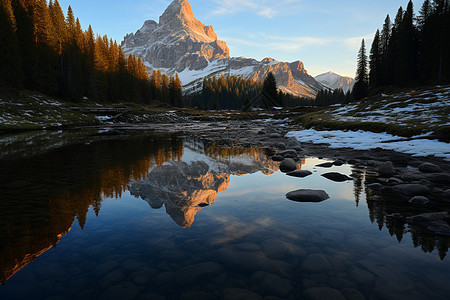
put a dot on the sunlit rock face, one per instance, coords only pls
(177, 42)
(181, 44)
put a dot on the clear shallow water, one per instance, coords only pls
(159, 217)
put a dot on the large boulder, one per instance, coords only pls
(411, 190)
(288, 165)
(335, 176)
(386, 168)
(305, 195)
(300, 173)
(429, 168)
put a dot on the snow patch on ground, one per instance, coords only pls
(364, 140)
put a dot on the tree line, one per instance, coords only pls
(233, 92)
(409, 50)
(44, 50)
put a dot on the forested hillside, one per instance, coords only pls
(410, 50)
(44, 50)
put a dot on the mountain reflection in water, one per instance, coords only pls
(43, 194)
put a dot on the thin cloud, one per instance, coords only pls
(263, 8)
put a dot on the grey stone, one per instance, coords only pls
(106, 267)
(353, 294)
(281, 146)
(426, 182)
(288, 165)
(132, 264)
(322, 293)
(196, 272)
(289, 153)
(118, 292)
(386, 168)
(419, 200)
(275, 136)
(394, 181)
(275, 285)
(411, 190)
(197, 295)
(375, 187)
(300, 173)
(315, 263)
(277, 158)
(240, 294)
(305, 195)
(325, 165)
(440, 178)
(361, 277)
(278, 249)
(335, 176)
(429, 168)
(446, 195)
(112, 278)
(338, 162)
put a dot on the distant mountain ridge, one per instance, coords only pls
(335, 81)
(181, 44)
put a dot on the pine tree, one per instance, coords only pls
(375, 61)
(360, 89)
(10, 60)
(406, 63)
(165, 96)
(384, 50)
(270, 86)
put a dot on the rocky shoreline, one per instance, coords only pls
(418, 187)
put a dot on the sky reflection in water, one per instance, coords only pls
(248, 241)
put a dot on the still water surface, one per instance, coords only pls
(148, 216)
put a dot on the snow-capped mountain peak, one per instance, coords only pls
(181, 44)
(335, 81)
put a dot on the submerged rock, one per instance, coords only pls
(334, 176)
(419, 200)
(375, 186)
(386, 168)
(305, 195)
(320, 293)
(411, 190)
(446, 195)
(429, 168)
(300, 173)
(288, 165)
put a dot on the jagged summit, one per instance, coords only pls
(335, 81)
(182, 44)
(179, 15)
(178, 41)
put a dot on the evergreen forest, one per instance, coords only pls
(233, 92)
(42, 49)
(410, 50)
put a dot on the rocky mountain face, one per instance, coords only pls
(181, 44)
(335, 81)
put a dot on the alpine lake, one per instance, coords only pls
(99, 214)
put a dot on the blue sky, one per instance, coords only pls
(324, 34)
